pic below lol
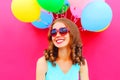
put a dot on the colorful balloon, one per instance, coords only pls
(64, 7)
(44, 21)
(96, 16)
(25, 10)
(99, 0)
(79, 3)
(77, 7)
(67, 3)
(103, 28)
(76, 12)
(51, 5)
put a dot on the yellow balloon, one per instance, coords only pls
(25, 10)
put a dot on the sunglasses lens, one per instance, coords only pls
(63, 31)
(53, 32)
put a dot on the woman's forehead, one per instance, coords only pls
(59, 25)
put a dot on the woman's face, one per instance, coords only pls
(60, 36)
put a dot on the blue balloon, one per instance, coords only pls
(67, 3)
(96, 16)
(46, 19)
(98, 0)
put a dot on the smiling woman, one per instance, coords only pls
(63, 59)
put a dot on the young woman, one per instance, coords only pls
(63, 59)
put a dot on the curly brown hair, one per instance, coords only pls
(51, 53)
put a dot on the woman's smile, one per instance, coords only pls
(59, 41)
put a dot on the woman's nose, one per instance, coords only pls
(58, 34)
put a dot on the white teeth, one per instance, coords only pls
(59, 41)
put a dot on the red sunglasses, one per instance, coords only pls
(62, 31)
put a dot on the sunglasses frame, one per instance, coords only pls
(61, 32)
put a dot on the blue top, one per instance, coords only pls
(55, 72)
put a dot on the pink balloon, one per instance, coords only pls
(73, 2)
(81, 3)
(76, 12)
(77, 6)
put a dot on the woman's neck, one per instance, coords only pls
(64, 54)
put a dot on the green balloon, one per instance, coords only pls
(63, 9)
(51, 5)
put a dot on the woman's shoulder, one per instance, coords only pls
(84, 74)
(42, 64)
(84, 67)
(41, 59)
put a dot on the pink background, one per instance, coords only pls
(21, 44)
